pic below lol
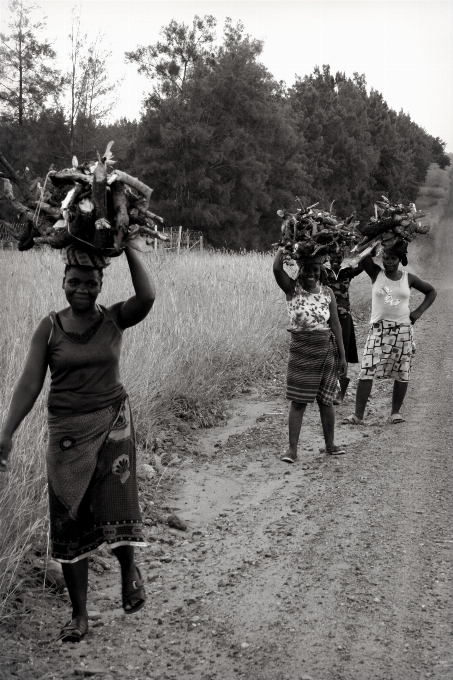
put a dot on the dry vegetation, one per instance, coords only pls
(218, 323)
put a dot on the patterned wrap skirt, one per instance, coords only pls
(348, 333)
(93, 495)
(388, 352)
(312, 367)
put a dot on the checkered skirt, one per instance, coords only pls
(388, 351)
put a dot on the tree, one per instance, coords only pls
(172, 61)
(27, 78)
(213, 148)
(91, 90)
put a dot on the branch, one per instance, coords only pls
(14, 177)
(135, 183)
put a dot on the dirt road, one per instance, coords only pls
(332, 569)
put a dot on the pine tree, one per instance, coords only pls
(28, 81)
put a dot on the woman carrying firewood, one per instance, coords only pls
(390, 344)
(91, 453)
(316, 355)
(339, 279)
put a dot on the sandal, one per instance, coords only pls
(335, 450)
(288, 457)
(396, 418)
(134, 590)
(74, 630)
(352, 420)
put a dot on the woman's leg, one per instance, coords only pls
(296, 414)
(76, 577)
(327, 414)
(399, 392)
(129, 574)
(363, 392)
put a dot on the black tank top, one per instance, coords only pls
(84, 377)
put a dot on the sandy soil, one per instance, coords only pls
(331, 569)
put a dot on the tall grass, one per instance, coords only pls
(217, 324)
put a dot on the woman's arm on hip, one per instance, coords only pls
(429, 292)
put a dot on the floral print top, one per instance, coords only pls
(309, 311)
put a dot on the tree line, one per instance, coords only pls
(223, 144)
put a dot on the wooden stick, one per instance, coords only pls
(178, 242)
(11, 174)
(121, 219)
(69, 177)
(136, 184)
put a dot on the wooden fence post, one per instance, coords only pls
(188, 240)
(201, 243)
(155, 244)
(178, 243)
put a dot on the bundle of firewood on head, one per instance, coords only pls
(91, 206)
(313, 234)
(393, 225)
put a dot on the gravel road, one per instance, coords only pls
(331, 569)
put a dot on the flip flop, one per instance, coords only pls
(335, 450)
(352, 420)
(134, 590)
(74, 630)
(396, 418)
(288, 457)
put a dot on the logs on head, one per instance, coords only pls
(87, 204)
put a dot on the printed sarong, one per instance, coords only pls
(93, 496)
(312, 367)
(388, 351)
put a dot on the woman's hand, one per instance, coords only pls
(6, 444)
(414, 316)
(343, 368)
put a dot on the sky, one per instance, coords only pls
(404, 47)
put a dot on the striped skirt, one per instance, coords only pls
(312, 367)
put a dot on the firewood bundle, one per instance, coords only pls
(91, 205)
(310, 232)
(391, 223)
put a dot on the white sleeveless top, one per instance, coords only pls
(309, 311)
(390, 299)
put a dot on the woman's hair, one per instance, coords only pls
(78, 266)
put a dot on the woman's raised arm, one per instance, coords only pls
(285, 282)
(371, 268)
(134, 310)
(27, 388)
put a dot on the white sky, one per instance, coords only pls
(404, 47)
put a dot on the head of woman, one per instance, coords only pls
(310, 274)
(82, 286)
(392, 257)
(335, 260)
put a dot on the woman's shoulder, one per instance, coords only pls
(327, 290)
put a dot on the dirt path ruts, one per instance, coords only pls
(331, 569)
